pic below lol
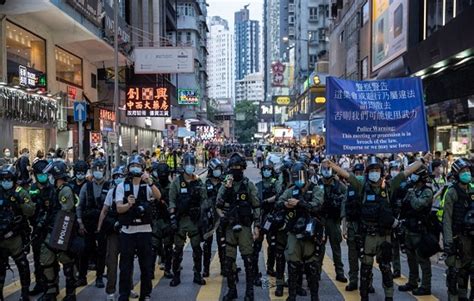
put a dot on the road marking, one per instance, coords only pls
(90, 279)
(328, 268)
(212, 290)
(272, 280)
(15, 286)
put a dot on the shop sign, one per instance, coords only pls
(123, 32)
(164, 60)
(147, 101)
(188, 97)
(71, 93)
(282, 100)
(262, 127)
(107, 115)
(278, 74)
(91, 9)
(112, 137)
(205, 131)
(30, 78)
(96, 137)
(171, 129)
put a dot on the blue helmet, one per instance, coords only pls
(119, 170)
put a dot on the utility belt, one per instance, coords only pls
(415, 225)
(373, 229)
(194, 213)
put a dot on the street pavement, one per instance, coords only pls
(216, 285)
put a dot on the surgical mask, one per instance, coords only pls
(360, 178)
(189, 169)
(42, 178)
(267, 173)
(98, 175)
(238, 174)
(136, 171)
(414, 178)
(216, 173)
(7, 154)
(80, 176)
(118, 180)
(465, 177)
(7, 185)
(327, 173)
(299, 183)
(374, 176)
(394, 173)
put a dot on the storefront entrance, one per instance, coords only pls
(33, 139)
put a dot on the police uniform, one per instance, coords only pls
(303, 254)
(457, 236)
(242, 209)
(212, 190)
(376, 223)
(162, 239)
(15, 208)
(186, 199)
(50, 256)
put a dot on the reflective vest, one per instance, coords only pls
(440, 211)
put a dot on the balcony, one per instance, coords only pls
(188, 22)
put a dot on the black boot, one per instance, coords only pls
(197, 257)
(37, 289)
(70, 282)
(177, 259)
(47, 297)
(292, 280)
(229, 270)
(351, 287)
(312, 275)
(279, 291)
(176, 279)
(300, 291)
(198, 279)
(25, 294)
(365, 281)
(249, 278)
(207, 257)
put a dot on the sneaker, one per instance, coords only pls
(110, 297)
(133, 295)
(407, 287)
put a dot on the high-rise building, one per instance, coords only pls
(247, 45)
(220, 66)
(249, 88)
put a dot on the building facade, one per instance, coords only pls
(250, 88)
(247, 44)
(220, 67)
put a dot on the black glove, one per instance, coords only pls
(173, 223)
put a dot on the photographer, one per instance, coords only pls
(239, 208)
(133, 198)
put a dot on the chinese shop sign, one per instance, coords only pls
(147, 102)
(188, 97)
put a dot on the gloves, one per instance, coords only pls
(395, 224)
(173, 223)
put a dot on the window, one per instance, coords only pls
(365, 13)
(24, 49)
(313, 13)
(312, 35)
(186, 9)
(68, 67)
(322, 34)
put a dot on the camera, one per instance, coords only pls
(237, 228)
(140, 211)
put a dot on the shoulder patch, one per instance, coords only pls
(18, 189)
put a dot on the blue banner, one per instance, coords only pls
(383, 116)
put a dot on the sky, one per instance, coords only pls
(227, 8)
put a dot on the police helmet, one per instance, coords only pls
(57, 169)
(458, 165)
(358, 167)
(39, 166)
(119, 170)
(136, 159)
(189, 159)
(267, 164)
(287, 164)
(422, 174)
(374, 162)
(8, 171)
(98, 164)
(304, 158)
(80, 166)
(237, 159)
(299, 173)
(215, 163)
(162, 170)
(394, 164)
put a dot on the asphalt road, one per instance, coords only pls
(216, 285)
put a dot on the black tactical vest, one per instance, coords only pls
(463, 211)
(294, 214)
(188, 201)
(212, 190)
(353, 204)
(416, 221)
(375, 209)
(140, 213)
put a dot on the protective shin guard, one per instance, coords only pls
(24, 271)
(229, 270)
(365, 280)
(292, 280)
(249, 277)
(280, 265)
(387, 276)
(70, 280)
(311, 269)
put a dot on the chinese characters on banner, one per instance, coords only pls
(385, 116)
(147, 102)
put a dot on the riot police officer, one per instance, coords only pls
(351, 227)
(64, 206)
(15, 208)
(43, 194)
(162, 235)
(305, 231)
(213, 184)
(377, 221)
(415, 210)
(187, 196)
(334, 196)
(458, 230)
(92, 197)
(133, 200)
(80, 169)
(267, 195)
(238, 196)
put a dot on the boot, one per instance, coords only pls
(37, 289)
(365, 281)
(70, 281)
(258, 280)
(198, 279)
(311, 271)
(232, 292)
(279, 291)
(177, 259)
(176, 279)
(206, 262)
(292, 280)
(249, 278)
(351, 287)
(25, 294)
(70, 298)
(407, 287)
(168, 274)
(421, 291)
(300, 291)
(47, 297)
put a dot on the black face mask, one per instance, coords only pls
(238, 174)
(163, 179)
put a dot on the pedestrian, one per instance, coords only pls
(23, 166)
(133, 199)
(187, 196)
(238, 208)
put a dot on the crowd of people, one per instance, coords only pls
(79, 217)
